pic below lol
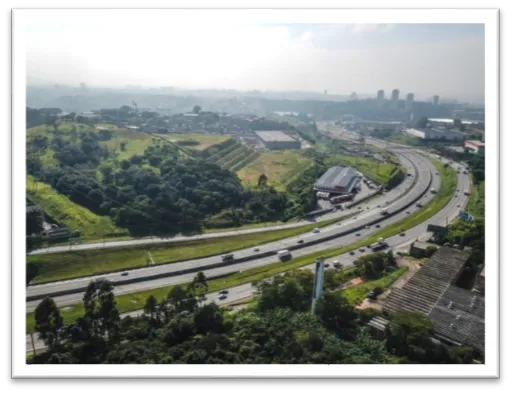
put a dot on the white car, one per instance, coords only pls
(316, 230)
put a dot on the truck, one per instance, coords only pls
(284, 255)
(466, 192)
(341, 198)
(381, 244)
(227, 257)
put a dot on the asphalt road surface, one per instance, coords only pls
(180, 238)
(367, 215)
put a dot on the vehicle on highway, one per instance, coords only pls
(402, 233)
(458, 205)
(124, 273)
(384, 212)
(357, 234)
(316, 230)
(433, 191)
(327, 265)
(284, 255)
(352, 252)
(300, 241)
(337, 264)
(222, 297)
(373, 295)
(362, 249)
(223, 292)
(256, 249)
(227, 257)
(377, 226)
(466, 192)
(418, 204)
(407, 212)
(378, 206)
(381, 244)
(360, 207)
(409, 174)
(368, 227)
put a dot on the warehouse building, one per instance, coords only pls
(338, 180)
(277, 140)
(436, 134)
(475, 146)
(457, 314)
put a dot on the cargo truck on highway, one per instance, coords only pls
(381, 244)
(227, 257)
(284, 255)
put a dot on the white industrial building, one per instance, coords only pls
(277, 140)
(475, 146)
(435, 133)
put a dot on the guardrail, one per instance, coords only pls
(197, 269)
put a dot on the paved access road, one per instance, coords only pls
(178, 270)
(448, 213)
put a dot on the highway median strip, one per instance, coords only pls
(136, 300)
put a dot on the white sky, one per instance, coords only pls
(420, 58)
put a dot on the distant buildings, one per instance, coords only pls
(380, 95)
(409, 102)
(277, 140)
(435, 133)
(475, 146)
(436, 100)
(395, 96)
(338, 180)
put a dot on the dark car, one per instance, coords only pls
(402, 234)
(361, 249)
(327, 265)
(222, 297)
(124, 273)
(377, 225)
(300, 241)
(223, 292)
(352, 252)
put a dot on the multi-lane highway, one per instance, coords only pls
(162, 275)
(447, 214)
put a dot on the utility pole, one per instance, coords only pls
(317, 289)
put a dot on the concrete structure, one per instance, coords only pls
(436, 100)
(436, 133)
(457, 314)
(418, 249)
(380, 95)
(277, 140)
(475, 146)
(338, 180)
(409, 102)
(395, 95)
(480, 280)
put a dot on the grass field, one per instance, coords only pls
(136, 300)
(381, 171)
(475, 205)
(356, 293)
(281, 168)
(405, 140)
(63, 210)
(67, 265)
(205, 140)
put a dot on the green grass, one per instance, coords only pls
(281, 168)
(475, 205)
(65, 265)
(376, 169)
(356, 293)
(136, 300)
(64, 211)
(205, 140)
(405, 139)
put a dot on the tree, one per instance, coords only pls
(101, 314)
(48, 323)
(122, 145)
(263, 181)
(151, 306)
(199, 286)
(196, 109)
(337, 314)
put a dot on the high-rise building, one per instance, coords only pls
(436, 100)
(380, 96)
(353, 96)
(395, 95)
(409, 102)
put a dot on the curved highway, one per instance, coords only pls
(446, 215)
(168, 274)
(181, 238)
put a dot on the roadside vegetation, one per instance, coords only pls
(278, 328)
(65, 265)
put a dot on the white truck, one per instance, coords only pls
(284, 255)
(433, 191)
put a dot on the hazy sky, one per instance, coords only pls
(445, 59)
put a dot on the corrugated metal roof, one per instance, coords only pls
(335, 177)
(274, 136)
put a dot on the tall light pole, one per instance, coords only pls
(317, 288)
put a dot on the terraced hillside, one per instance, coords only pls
(231, 155)
(280, 167)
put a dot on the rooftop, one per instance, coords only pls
(475, 143)
(336, 177)
(423, 245)
(425, 288)
(274, 136)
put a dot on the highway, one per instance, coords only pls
(162, 275)
(448, 213)
(181, 238)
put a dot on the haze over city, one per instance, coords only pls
(426, 59)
